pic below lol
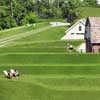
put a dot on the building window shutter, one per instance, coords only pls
(80, 28)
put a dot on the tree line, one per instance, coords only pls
(20, 12)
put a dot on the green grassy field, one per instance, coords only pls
(47, 70)
(19, 30)
(90, 11)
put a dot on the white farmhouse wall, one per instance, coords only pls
(74, 32)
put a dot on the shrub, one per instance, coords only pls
(30, 18)
(57, 12)
(7, 22)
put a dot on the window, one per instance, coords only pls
(80, 33)
(72, 33)
(80, 28)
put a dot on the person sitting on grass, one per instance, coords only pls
(14, 72)
(7, 74)
(11, 73)
(17, 73)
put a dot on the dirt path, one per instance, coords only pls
(7, 40)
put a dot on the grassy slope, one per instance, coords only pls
(89, 11)
(47, 72)
(3, 9)
(19, 30)
(46, 41)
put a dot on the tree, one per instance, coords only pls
(90, 2)
(71, 9)
(7, 22)
(28, 11)
(11, 7)
(57, 12)
(30, 18)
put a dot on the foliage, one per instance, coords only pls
(92, 3)
(30, 18)
(7, 22)
(57, 12)
(22, 11)
(71, 9)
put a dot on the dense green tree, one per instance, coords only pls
(28, 11)
(30, 18)
(90, 2)
(7, 22)
(71, 9)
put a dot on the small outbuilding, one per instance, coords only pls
(76, 31)
(92, 34)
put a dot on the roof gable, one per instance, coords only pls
(82, 21)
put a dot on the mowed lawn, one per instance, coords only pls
(47, 70)
(90, 11)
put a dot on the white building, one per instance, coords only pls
(81, 48)
(76, 31)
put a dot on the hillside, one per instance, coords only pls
(90, 11)
(47, 70)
